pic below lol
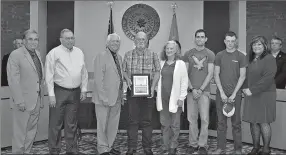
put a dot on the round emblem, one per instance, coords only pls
(140, 17)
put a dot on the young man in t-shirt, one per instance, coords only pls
(199, 61)
(230, 70)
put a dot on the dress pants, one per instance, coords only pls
(107, 125)
(140, 112)
(65, 113)
(25, 127)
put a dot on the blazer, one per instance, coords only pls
(23, 79)
(106, 79)
(4, 81)
(280, 77)
(179, 86)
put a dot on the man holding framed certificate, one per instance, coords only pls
(141, 70)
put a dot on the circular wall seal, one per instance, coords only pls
(140, 17)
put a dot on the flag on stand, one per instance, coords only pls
(174, 34)
(110, 24)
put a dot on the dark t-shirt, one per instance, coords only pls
(230, 64)
(198, 66)
(167, 74)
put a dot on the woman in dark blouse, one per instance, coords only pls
(260, 100)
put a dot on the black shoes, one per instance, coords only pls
(114, 152)
(172, 151)
(192, 150)
(148, 152)
(202, 150)
(130, 151)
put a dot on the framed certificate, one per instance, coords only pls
(140, 85)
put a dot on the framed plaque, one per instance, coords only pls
(140, 85)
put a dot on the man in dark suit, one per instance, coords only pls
(17, 44)
(280, 77)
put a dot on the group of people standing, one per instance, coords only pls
(173, 79)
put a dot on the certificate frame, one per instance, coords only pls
(140, 85)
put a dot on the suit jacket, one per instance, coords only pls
(23, 78)
(280, 77)
(106, 79)
(4, 81)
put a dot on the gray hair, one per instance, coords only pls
(141, 32)
(29, 32)
(109, 37)
(177, 54)
(64, 31)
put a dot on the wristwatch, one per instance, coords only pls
(190, 90)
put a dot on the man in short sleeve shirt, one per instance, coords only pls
(140, 60)
(230, 69)
(199, 61)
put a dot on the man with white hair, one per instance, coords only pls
(108, 94)
(140, 60)
(26, 83)
(66, 79)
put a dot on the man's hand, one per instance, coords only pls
(247, 92)
(129, 83)
(196, 93)
(82, 96)
(231, 98)
(152, 92)
(223, 97)
(42, 105)
(180, 103)
(52, 101)
(21, 106)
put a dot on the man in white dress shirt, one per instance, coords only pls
(66, 79)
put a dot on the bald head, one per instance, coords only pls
(141, 40)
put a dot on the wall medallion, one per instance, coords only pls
(140, 17)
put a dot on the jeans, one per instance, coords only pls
(170, 126)
(196, 107)
(222, 124)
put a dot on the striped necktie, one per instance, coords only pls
(119, 70)
(37, 63)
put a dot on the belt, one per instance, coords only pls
(70, 89)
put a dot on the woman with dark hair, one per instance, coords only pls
(172, 91)
(260, 100)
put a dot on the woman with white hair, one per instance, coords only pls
(172, 91)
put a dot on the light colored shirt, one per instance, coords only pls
(275, 54)
(65, 68)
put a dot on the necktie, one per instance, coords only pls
(37, 64)
(119, 71)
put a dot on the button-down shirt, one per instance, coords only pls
(136, 62)
(66, 68)
(275, 54)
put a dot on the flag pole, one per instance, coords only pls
(174, 6)
(110, 4)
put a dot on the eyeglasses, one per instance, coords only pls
(68, 38)
(31, 39)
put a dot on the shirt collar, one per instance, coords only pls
(66, 49)
(275, 54)
(140, 52)
(31, 52)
